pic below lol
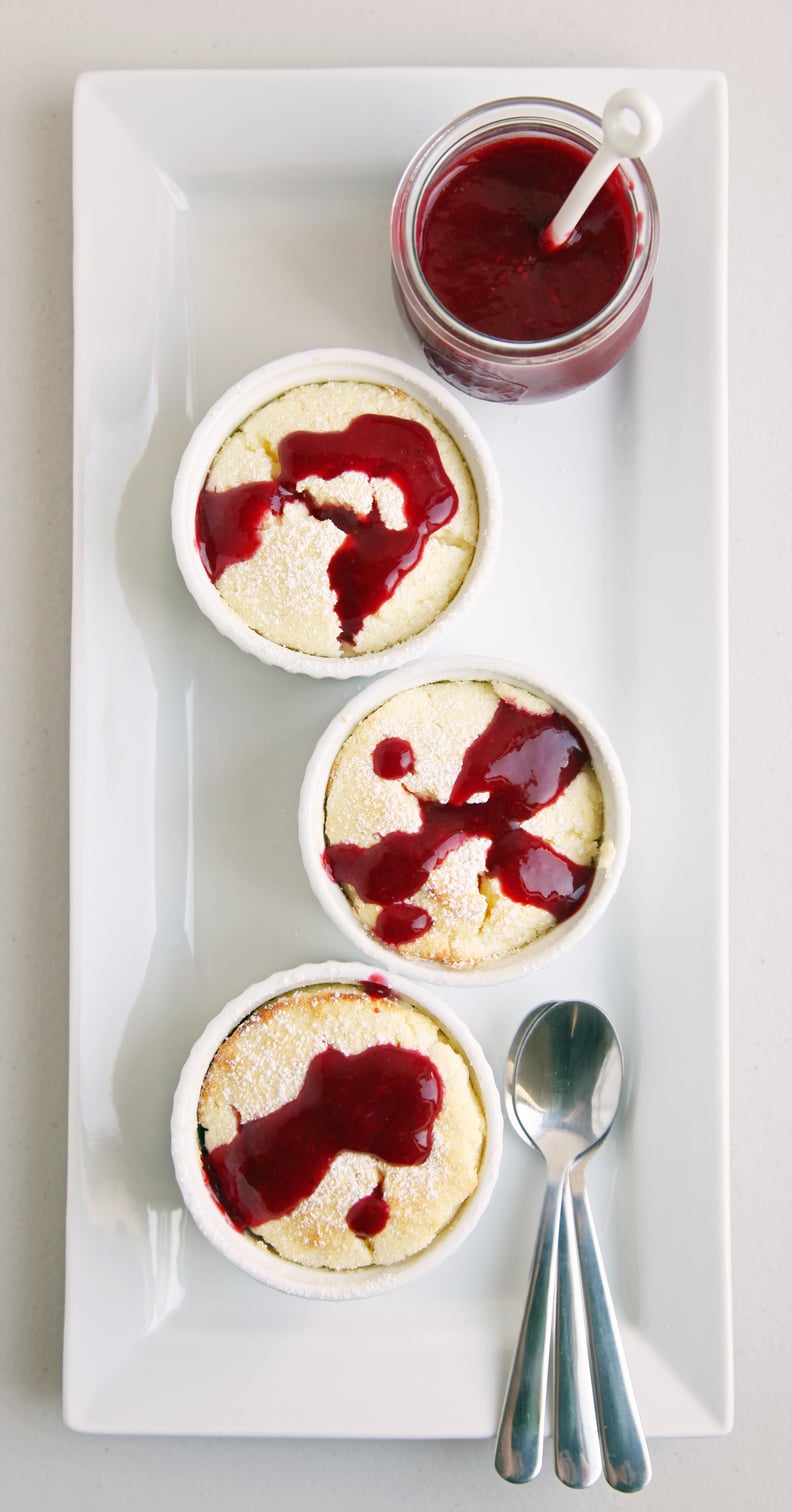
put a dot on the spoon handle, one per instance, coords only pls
(518, 1453)
(578, 1460)
(626, 1457)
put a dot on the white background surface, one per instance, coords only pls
(44, 45)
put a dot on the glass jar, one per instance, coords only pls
(498, 366)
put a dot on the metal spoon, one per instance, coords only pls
(577, 1032)
(563, 1097)
(626, 1457)
(578, 1460)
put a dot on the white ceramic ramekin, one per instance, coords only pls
(547, 947)
(267, 383)
(248, 1253)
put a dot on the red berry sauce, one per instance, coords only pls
(372, 559)
(393, 758)
(377, 987)
(381, 1102)
(370, 1214)
(478, 240)
(522, 761)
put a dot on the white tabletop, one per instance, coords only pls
(45, 45)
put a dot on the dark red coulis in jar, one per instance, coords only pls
(522, 761)
(381, 1102)
(372, 559)
(478, 240)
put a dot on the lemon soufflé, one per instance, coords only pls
(463, 820)
(340, 1127)
(339, 519)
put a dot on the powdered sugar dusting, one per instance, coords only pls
(282, 591)
(473, 921)
(263, 1065)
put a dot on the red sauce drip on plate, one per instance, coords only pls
(478, 240)
(372, 559)
(522, 761)
(381, 1102)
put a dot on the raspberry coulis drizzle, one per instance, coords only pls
(393, 758)
(372, 560)
(381, 1102)
(369, 1215)
(522, 761)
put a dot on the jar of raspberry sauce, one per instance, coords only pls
(496, 315)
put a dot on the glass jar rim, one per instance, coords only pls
(520, 115)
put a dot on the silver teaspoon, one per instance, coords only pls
(578, 1459)
(625, 1454)
(626, 1457)
(627, 1464)
(564, 1097)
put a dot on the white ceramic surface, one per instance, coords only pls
(255, 1258)
(258, 388)
(193, 193)
(563, 936)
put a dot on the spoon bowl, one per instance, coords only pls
(563, 1077)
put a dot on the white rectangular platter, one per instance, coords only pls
(221, 220)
